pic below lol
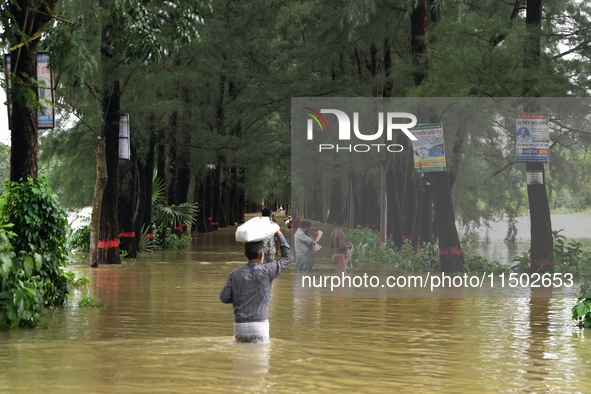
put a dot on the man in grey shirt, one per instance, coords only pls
(304, 247)
(248, 288)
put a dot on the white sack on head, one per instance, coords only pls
(256, 229)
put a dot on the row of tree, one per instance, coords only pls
(208, 89)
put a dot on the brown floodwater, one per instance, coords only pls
(164, 330)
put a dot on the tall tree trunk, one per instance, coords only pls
(172, 156)
(383, 205)
(542, 257)
(200, 197)
(127, 202)
(409, 200)
(146, 174)
(209, 197)
(108, 243)
(24, 146)
(23, 119)
(109, 229)
(419, 23)
(394, 215)
(450, 250)
(183, 165)
(97, 200)
(425, 217)
(161, 155)
(220, 203)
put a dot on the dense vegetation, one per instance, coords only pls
(32, 252)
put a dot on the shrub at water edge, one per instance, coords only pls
(37, 245)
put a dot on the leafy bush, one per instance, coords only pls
(79, 239)
(172, 241)
(147, 243)
(91, 302)
(367, 248)
(569, 256)
(21, 293)
(167, 217)
(39, 241)
(76, 282)
(477, 263)
(582, 309)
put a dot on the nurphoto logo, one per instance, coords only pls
(318, 121)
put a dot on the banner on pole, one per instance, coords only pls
(428, 149)
(45, 114)
(532, 138)
(124, 146)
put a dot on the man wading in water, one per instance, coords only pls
(248, 288)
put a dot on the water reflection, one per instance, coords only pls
(165, 330)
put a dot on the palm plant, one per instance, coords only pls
(170, 216)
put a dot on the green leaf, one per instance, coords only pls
(5, 295)
(19, 294)
(29, 266)
(38, 261)
(6, 262)
(580, 310)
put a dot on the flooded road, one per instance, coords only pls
(165, 330)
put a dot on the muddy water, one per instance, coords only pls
(164, 330)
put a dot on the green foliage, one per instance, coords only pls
(367, 248)
(174, 215)
(21, 293)
(4, 165)
(152, 30)
(91, 302)
(170, 215)
(79, 239)
(78, 258)
(147, 243)
(478, 264)
(170, 240)
(167, 217)
(570, 256)
(40, 227)
(76, 282)
(522, 263)
(158, 189)
(67, 159)
(582, 309)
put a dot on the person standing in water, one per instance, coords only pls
(338, 241)
(248, 289)
(304, 247)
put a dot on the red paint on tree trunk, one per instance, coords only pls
(108, 244)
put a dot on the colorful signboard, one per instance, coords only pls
(532, 136)
(428, 149)
(45, 115)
